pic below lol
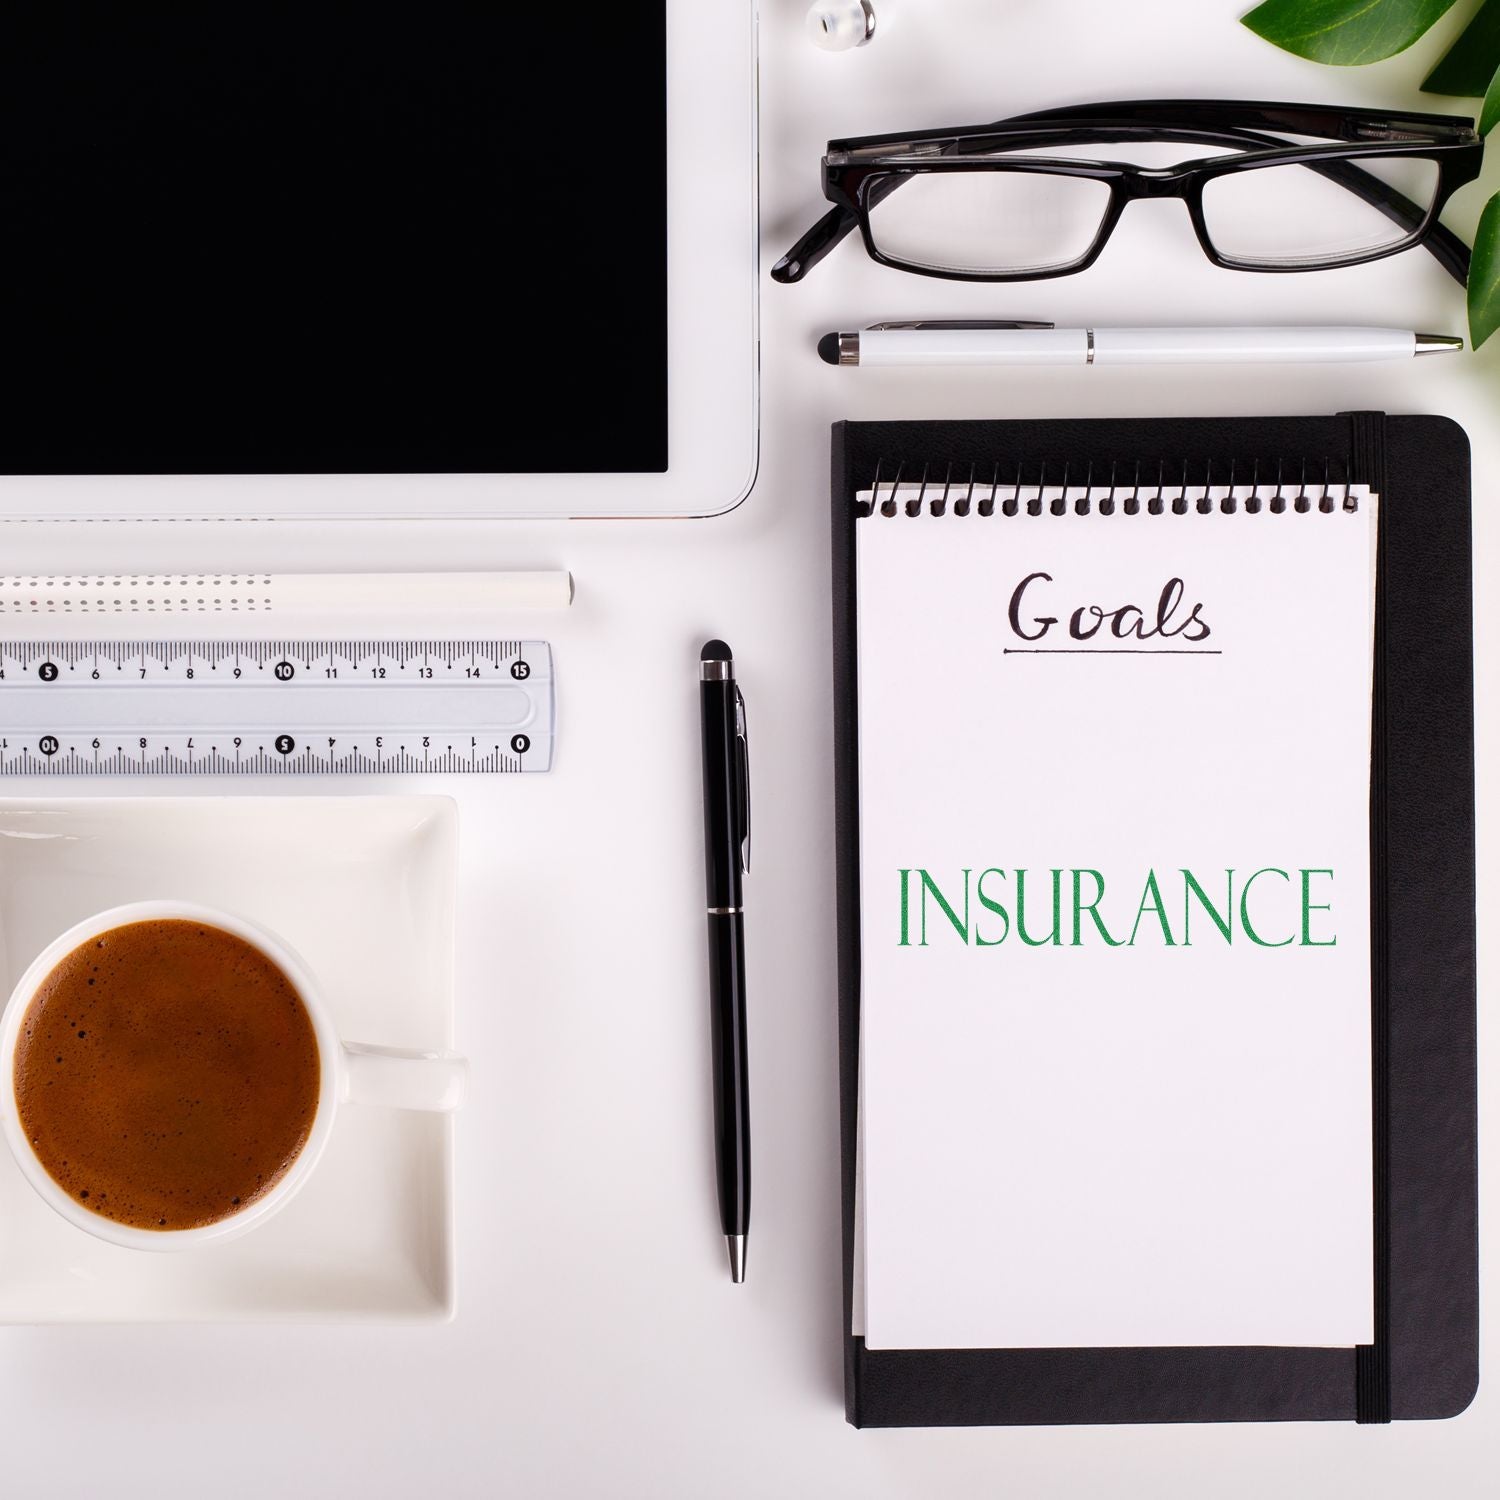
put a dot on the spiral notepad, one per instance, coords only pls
(1116, 926)
(1155, 921)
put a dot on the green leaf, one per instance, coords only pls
(1491, 111)
(1470, 63)
(1484, 275)
(1344, 32)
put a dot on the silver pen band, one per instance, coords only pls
(725, 911)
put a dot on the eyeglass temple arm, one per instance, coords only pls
(1186, 120)
(1330, 120)
(814, 245)
(1446, 248)
(829, 231)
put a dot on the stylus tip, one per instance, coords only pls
(828, 348)
(716, 651)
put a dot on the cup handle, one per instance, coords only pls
(404, 1080)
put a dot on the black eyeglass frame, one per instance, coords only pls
(859, 171)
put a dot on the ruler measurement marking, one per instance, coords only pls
(52, 727)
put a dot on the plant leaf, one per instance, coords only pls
(1484, 275)
(1469, 64)
(1491, 111)
(1345, 32)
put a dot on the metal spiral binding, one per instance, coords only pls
(942, 488)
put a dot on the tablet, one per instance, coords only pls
(318, 260)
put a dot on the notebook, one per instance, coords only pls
(1116, 924)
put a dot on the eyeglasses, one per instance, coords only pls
(978, 204)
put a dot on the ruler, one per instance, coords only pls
(280, 708)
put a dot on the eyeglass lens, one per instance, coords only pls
(989, 221)
(1296, 215)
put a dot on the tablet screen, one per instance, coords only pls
(320, 238)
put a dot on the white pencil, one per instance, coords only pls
(393, 597)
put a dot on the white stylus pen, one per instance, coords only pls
(994, 343)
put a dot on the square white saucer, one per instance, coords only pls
(363, 888)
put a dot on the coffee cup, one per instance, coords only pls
(348, 1073)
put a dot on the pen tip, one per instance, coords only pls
(716, 651)
(828, 348)
(736, 1243)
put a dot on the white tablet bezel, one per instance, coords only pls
(713, 348)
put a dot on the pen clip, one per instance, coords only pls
(944, 324)
(742, 773)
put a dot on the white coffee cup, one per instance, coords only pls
(348, 1074)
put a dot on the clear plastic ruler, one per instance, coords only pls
(254, 708)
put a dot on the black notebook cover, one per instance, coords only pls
(1424, 1362)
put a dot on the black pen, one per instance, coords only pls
(726, 846)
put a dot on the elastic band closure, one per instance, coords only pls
(1372, 1362)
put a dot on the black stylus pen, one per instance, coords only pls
(726, 848)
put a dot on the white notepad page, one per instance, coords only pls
(1079, 1144)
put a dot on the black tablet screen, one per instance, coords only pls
(320, 238)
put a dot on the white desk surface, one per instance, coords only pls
(599, 1347)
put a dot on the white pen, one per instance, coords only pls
(980, 342)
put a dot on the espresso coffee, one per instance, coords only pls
(167, 1074)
